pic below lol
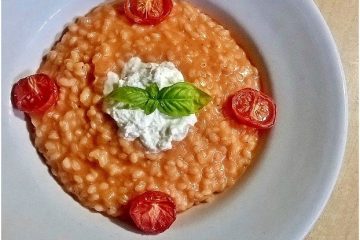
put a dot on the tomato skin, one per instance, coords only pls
(35, 94)
(132, 11)
(253, 108)
(153, 211)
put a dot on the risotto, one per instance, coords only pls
(80, 142)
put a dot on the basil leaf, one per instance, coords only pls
(181, 99)
(150, 106)
(152, 90)
(132, 97)
(178, 100)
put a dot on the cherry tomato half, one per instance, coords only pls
(35, 93)
(153, 211)
(147, 12)
(254, 108)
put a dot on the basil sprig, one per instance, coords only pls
(178, 100)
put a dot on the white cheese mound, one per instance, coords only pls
(156, 131)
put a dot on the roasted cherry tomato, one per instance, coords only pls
(147, 12)
(35, 93)
(153, 211)
(254, 108)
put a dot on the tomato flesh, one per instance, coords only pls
(254, 108)
(35, 93)
(147, 12)
(153, 211)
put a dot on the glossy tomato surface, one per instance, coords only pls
(153, 211)
(35, 93)
(254, 108)
(147, 12)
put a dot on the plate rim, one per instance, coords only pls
(326, 194)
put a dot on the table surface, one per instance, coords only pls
(340, 218)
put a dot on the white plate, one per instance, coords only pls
(280, 197)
